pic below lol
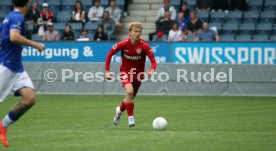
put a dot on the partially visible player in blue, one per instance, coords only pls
(12, 74)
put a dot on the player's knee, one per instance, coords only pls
(130, 93)
(30, 99)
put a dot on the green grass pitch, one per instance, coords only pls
(84, 123)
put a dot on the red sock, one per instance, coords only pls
(122, 106)
(129, 107)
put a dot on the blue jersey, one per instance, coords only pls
(10, 53)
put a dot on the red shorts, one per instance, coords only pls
(125, 79)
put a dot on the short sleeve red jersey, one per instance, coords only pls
(133, 55)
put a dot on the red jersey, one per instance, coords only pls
(46, 15)
(133, 55)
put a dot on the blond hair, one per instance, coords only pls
(134, 25)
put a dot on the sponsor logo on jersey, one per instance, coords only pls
(132, 57)
(126, 50)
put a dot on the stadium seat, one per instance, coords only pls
(60, 26)
(191, 37)
(273, 38)
(243, 38)
(122, 8)
(2, 15)
(87, 3)
(234, 17)
(6, 3)
(76, 26)
(68, 8)
(53, 2)
(5, 9)
(260, 38)
(270, 5)
(68, 3)
(86, 8)
(217, 17)
(255, 5)
(203, 16)
(91, 34)
(64, 16)
(227, 38)
(54, 9)
(251, 17)
(191, 3)
(122, 2)
(175, 3)
(274, 29)
(30, 26)
(230, 28)
(104, 3)
(91, 25)
(247, 29)
(267, 17)
(37, 38)
(39, 1)
(264, 28)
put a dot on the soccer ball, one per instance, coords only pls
(159, 123)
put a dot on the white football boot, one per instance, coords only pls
(118, 114)
(131, 121)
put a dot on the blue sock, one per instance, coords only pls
(9, 119)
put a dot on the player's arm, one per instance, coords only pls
(153, 63)
(109, 55)
(17, 38)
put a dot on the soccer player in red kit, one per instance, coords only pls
(133, 52)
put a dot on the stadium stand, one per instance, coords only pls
(260, 38)
(247, 29)
(55, 3)
(227, 38)
(204, 16)
(191, 3)
(243, 38)
(59, 26)
(176, 4)
(251, 17)
(37, 37)
(257, 23)
(5, 3)
(269, 5)
(263, 29)
(267, 16)
(217, 17)
(233, 17)
(272, 38)
(230, 28)
(64, 16)
(91, 25)
(274, 29)
(255, 5)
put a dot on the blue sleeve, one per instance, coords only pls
(16, 22)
